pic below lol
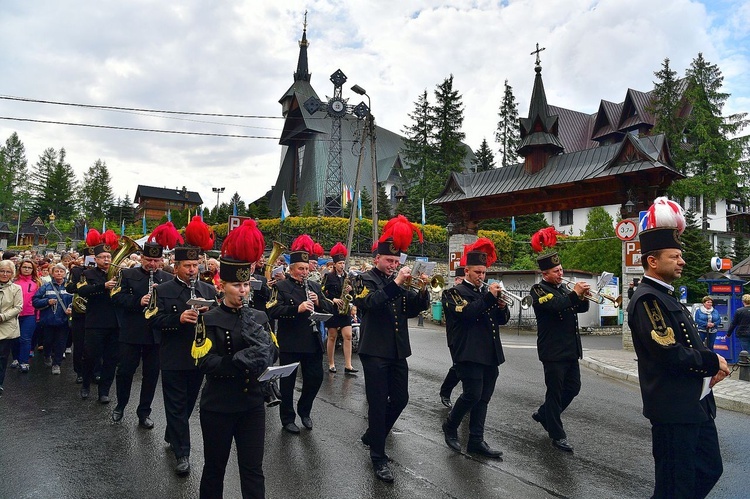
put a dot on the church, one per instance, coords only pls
(321, 144)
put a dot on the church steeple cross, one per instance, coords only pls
(538, 61)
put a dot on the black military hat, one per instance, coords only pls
(549, 261)
(476, 258)
(101, 248)
(231, 270)
(660, 238)
(88, 251)
(460, 272)
(388, 247)
(182, 253)
(152, 250)
(299, 257)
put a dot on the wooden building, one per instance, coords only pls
(155, 202)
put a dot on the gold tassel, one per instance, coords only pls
(273, 338)
(201, 344)
(364, 292)
(546, 298)
(274, 298)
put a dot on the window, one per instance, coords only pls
(712, 207)
(566, 217)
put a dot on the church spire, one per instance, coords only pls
(302, 72)
(539, 135)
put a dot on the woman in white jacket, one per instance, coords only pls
(11, 302)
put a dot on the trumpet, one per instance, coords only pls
(508, 297)
(595, 296)
(436, 284)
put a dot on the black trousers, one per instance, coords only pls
(78, 333)
(247, 429)
(563, 380)
(687, 459)
(311, 365)
(55, 338)
(100, 344)
(387, 390)
(130, 356)
(5, 347)
(180, 390)
(478, 384)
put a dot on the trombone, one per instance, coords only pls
(508, 297)
(595, 296)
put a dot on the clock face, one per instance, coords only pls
(336, 107)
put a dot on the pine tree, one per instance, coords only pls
(385, 208)
(508, 134)
(484, 159)
(13, 172)
(53, 185)
(96, 192)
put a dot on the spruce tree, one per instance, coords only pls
(53, 185)
(13, 172)
(508, 134)
(96, 192)
(666, 102)
(367, 204)
(697, 252)
(419, 151)
(293, 205)
(484, 159)
(385, 208)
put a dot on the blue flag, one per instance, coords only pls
(423, 213)
(122, 228)
(513, 224)
(144, 224)
(169, 214)
(85, 230)
(359, 205)
(104, 225)
(284, 207)
(234, 210)
(202, 210)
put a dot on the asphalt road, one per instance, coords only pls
(52, 444)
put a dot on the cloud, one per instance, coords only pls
(232, 57)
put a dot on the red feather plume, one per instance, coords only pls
(93, 237)
(339, 249)
(303, 243)
(110, 238)
(198, 233)
(166, 236)
(402, 232)
(462, 262)
(546, 237)
(318, 250)
(487, 247)
(245, 243)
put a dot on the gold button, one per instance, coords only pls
(245, 390)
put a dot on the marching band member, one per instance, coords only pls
(241, 349)
(175, 326)
(451, 379)
(384, 306)
(137, 342)
(676, 370)
(78, 315)
(558, 343)
(474, 315)
(101, 322)
(333, 287)
(292, 301)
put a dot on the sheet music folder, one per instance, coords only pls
(320, 316)
(275, 372)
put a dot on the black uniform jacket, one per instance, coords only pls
(295, 332)
(332, 285)
(384, 308)
(127, 300)
(556, 311)
(230, 388)
(261, 296)
(176, 338)
(475, 320)
(74, 276)
(100, 311)
(672, 360)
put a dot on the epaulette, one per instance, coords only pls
(541, 295)
(274, 300)
(457, 299)
(359, 288)
(660, 332)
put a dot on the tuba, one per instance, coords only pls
(125, 247)
(277, 250)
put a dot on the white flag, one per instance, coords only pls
(284, 207)
(423, 214)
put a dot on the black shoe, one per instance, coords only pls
(446, 400)
(383, 472)
(183, 466)
(103, 399)
(79, 380)
(146, 423)
(332, 369)
(307, 422)
(84, 393)
(116, 414)
(365, 438)
(291, 428)
(350, 371)
(483, 449)
(451, 438)
(96, 380)
(562, 444)
(536, 417)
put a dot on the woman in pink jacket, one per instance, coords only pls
(28, 280)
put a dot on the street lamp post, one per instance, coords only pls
(217, 190)
(371, 128)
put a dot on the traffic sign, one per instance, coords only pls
(626, 230)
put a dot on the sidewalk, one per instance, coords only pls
(731, 394)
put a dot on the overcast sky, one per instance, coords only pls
(237, 57)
